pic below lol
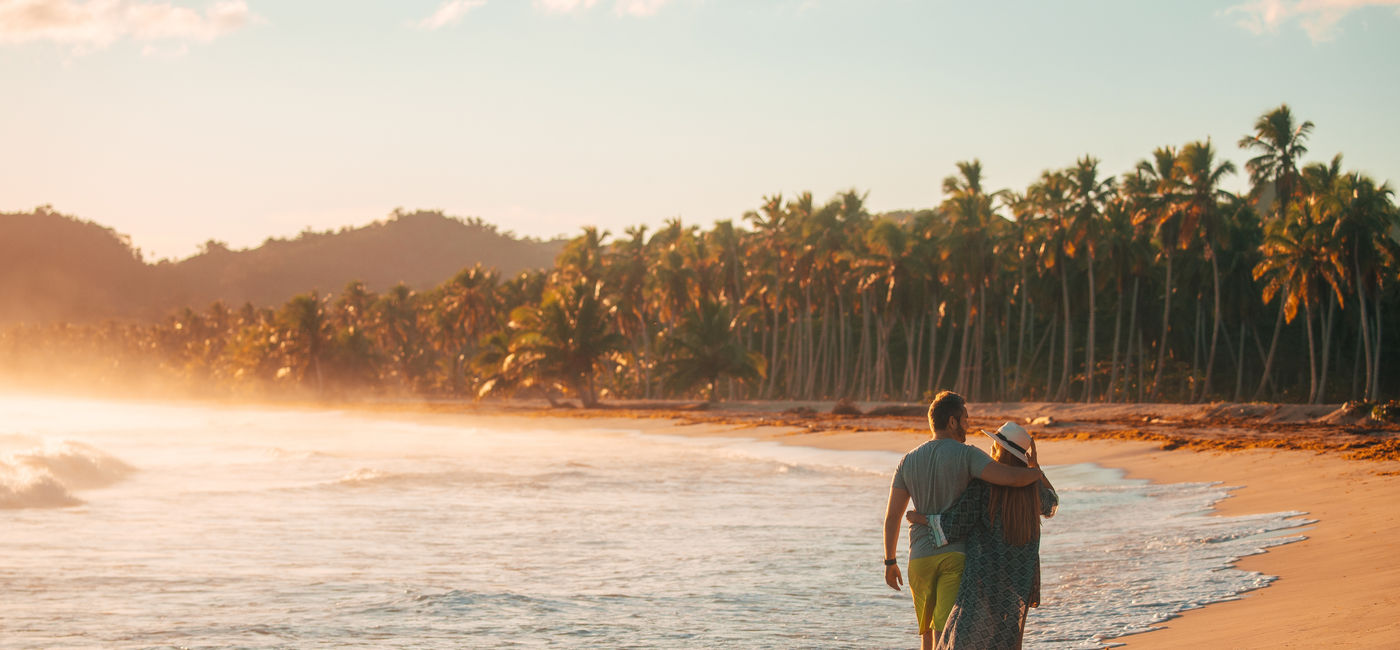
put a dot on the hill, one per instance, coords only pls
(55, 267)
(58, 268)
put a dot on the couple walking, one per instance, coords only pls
(974, 535)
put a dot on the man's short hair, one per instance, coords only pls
(945, 406)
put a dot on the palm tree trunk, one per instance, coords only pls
(1239, 367)
(887, 378)
(1355, 372)
(1063, 390)
(1117, 331)
(916, 356)
(1312, 355)
(821, 365)
(843, 349)
(1327, 322)
(792, 382)
(1191, 380)
(1089, 340)
(864, 361)
(1141, 366)
(884, 325)
(645, 361)
(981, 343)
(1259, 348)
(769, 340)
(999, 377)
(1003, 352)
(588, 397)
(1376, 360)
(1040, 345)
(1273, 347)
(960, 386)
(1365, 322)
(1050, 363)
(1166, 329)
(1132, 327)
(932, 349)
(1021, 334)
(909, 327)
(804, 380)
(1215, 327)
(874, 360)
(947, 355)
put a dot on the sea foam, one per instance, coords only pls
(46, 476)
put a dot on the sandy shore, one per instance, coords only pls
(1339, 587)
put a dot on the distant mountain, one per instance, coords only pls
(55, 267)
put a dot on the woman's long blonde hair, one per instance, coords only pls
(1018, 507)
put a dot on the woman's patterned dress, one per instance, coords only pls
(1000, 582)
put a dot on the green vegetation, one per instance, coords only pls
(1153, 285)
(57, 268)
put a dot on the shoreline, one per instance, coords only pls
(1326, 583)
(1337, 586)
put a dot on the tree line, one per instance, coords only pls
(1153, 285)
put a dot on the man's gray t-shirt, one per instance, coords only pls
(935, 475)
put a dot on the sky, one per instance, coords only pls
(177, 122)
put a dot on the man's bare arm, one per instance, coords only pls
(999, 474)
(894, 513)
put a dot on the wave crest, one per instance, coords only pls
(45, 477)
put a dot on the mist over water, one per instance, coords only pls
(139, 525)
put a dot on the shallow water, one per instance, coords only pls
(137, 525)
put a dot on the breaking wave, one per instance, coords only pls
(366, 477)
(45, 477)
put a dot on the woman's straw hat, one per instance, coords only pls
(1012, 438)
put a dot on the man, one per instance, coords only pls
(934, 475)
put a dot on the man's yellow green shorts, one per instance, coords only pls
(934, 580)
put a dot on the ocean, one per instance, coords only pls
(138, 525)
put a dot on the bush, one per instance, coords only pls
(1386, 412)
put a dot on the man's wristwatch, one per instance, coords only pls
(891, 562)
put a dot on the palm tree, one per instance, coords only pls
(400, 334)
(355, 355)
(1059, 245)
(1127, 251)
(628, 265)
(562, 343)
(1088, 195)
(769, 266)
(462, 309)
(851, 219)
(1157, 183)
(1200, 211)
(1023, 241)
(582, 258)
(703, 348)
(887, 275)
(1297, 261)
(1365, 209)
(303, 336)
(974, 225)
(1280, 143)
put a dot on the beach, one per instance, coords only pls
(1339, 586)
(383, 515)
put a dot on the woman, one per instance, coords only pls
(1001, 526)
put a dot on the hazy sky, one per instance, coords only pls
(177, 122)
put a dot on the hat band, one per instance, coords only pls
(1010, 444)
